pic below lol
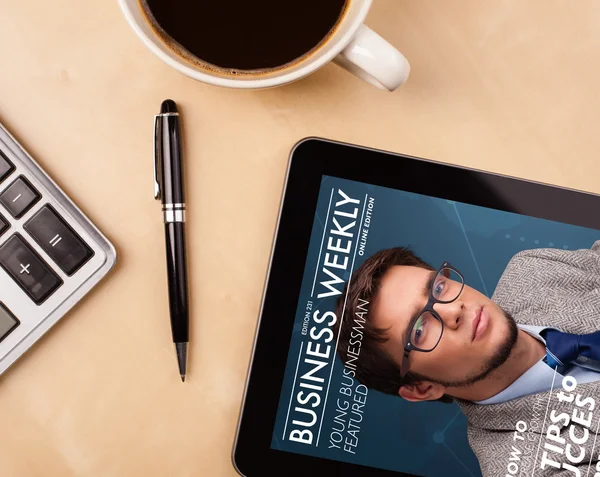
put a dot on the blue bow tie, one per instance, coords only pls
(564, 348)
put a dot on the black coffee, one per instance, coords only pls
(244, 36)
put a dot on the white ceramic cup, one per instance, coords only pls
(353, 46)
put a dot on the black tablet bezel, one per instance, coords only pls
(310, 160)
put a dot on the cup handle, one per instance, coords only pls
(374, 60)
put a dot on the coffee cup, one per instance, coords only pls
(351, 45)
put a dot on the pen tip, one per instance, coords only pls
(168, 106)
(181, 349)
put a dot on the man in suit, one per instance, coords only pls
(427, 335)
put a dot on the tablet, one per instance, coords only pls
(381, 259)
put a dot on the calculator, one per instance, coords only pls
(51, 254)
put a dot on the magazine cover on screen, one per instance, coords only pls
(434, 337)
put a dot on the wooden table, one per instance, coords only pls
(508, 86)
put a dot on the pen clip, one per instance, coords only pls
(157, 157)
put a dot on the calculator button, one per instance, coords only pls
(19, 197)
(7, 322)
(58, 240)
(28, 269)
(4, 225)
(6, 167)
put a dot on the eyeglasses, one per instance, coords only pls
(426, 329)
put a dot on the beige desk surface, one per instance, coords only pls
(508, 86)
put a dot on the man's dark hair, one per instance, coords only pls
(376, 369)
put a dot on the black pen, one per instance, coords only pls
(168, 186)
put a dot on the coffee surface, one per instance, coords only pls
(245, 35)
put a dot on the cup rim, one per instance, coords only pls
(318, 62)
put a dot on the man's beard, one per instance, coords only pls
(493, 363)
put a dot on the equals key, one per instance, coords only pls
(58, 240)
(55, 240)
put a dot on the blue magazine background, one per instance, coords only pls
(419, 438)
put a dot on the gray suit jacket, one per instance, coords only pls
(547, 287)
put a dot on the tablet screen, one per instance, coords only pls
(340, 397)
